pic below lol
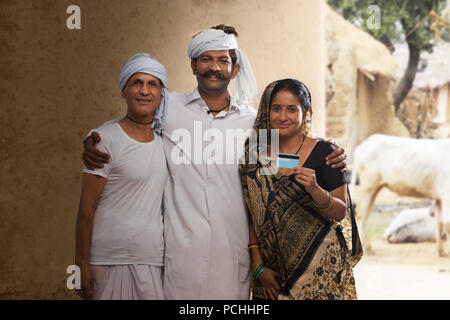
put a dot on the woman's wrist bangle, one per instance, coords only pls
(259, 271)
(330, 200)
(257, 267)
(329, 207)
(253, 245)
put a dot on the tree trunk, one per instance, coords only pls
(407, 80)
(387, 42)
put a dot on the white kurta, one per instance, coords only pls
(205, 220)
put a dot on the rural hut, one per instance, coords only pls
(360, 72)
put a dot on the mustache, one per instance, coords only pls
(210, 73)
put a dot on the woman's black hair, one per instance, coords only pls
(297, 88)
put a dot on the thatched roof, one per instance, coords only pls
(372, 56)
(434, 67)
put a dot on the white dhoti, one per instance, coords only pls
(127, 282)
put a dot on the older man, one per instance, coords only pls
(119, 236)
(205, 219)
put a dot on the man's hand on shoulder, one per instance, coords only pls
(338, 158)
(92, 157)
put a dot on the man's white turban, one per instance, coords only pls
(245, 89)
(145, 63)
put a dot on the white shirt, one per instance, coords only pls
(128, 226)
(205, 219)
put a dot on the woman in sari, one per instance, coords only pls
(297, 215)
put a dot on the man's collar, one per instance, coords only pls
(194, 95)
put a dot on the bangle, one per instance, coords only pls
(330, 200)
(329, 207)
(257, 267)
(258, 273)
(253, 246)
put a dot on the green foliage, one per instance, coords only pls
(401, 20)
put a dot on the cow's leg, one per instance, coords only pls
(439, 227)
(443, 228)
(364, 208)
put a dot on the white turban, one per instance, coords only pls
(145, 63)
(245, 89)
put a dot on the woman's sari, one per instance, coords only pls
(289, 228)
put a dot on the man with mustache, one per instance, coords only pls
(205, 218)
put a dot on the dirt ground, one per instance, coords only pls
(400, 271)
(403, 271)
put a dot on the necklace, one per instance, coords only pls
(137, 121)
(301, 145)
(215, 111)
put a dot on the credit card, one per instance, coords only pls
(286, 160)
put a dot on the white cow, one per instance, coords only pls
(409, 167)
